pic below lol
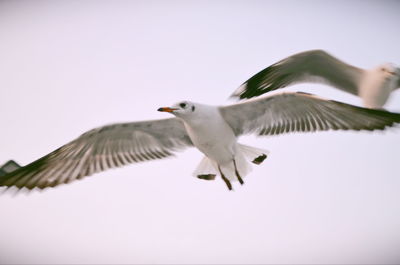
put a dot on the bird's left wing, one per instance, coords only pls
(301, 112)
(316, 66)
(105, 147)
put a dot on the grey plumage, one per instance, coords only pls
(317, 66)
(105, 147)
(124, 143)
(302, 112)
(310, 66)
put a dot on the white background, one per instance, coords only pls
(69, 66)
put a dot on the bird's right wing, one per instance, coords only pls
(105, 147)
(315, 66)
(301, 112)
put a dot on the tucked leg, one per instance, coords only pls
(227, 182)
(237, 173)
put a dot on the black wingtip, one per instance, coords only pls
(8, 167)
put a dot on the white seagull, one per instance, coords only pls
(212, 129)
(373, 86)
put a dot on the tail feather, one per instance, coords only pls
(205, 170)
(253, 154)
(208, 169)
(243, 167)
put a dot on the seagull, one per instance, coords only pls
(213, 130)
(373, 86)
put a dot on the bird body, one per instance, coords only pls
(373, 86)
(205, 129)
(212, 135)
(213, 130)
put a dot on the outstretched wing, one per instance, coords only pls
(100, 149)
(311, 66)
(301, 112)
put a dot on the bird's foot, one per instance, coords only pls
(237, 173)
(227, 182)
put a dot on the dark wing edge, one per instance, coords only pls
(315, 66)
(303, 112)
(8, 167)
(99, 149)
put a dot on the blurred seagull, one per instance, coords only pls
(212, 129)
(373, 86)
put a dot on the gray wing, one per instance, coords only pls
(311, 66)
(100, 149)
(301, 112)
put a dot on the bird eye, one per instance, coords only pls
(182, 105)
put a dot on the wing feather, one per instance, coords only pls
(301, 112)
(316, 66)
(99, 149)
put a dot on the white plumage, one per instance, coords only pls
(213, 130)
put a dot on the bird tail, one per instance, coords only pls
(253, 154)
(208, 169)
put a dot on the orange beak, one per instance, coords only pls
(166, 109)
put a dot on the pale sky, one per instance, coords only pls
(69, 66)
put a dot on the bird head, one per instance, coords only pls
(180, 109)
(389, 70)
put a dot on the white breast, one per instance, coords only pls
(375, 89)
(211, 134)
